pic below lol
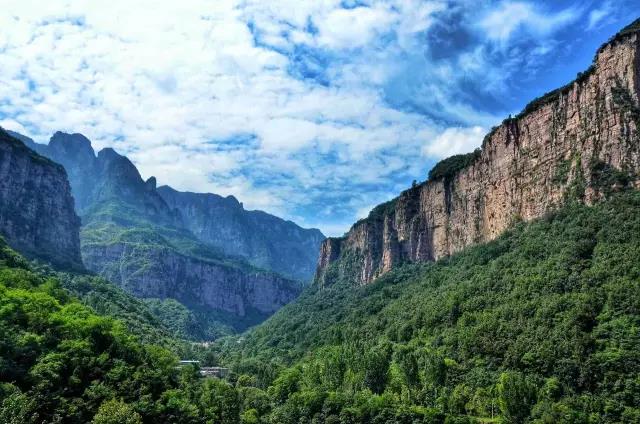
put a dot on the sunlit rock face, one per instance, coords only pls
(579, 142)
(164, 273)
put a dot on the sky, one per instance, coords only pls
(315, 111)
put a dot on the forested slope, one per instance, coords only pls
(61, 362)
(541, 325)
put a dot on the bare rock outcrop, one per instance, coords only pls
(579, 142)
(37, 216)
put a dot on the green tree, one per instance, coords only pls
(116, 412)
(516, 396)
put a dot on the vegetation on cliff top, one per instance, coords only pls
(5, 137)
(554, 95)
(448, 168)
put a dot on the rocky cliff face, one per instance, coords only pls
(264, 240)
(37, 217)
(579, 142)
(164, 273)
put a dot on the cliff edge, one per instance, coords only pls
(578, 143)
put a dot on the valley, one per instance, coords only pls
(504, 288)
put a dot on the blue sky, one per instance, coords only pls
(313, 110)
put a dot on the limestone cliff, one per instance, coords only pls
(262, 239)
(579, 142)
(37, 217)
(162, 272)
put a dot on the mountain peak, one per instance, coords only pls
(71, 144)
(151, 183)
(108, 153)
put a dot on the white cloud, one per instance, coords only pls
(599, 15)
(204, 95)
(351, 28)
(453, 141)
(502, 23)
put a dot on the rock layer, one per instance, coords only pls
(193, 282)
(579, 142)
(37, 216)
(264, 240)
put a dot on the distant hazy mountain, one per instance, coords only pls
(264, 240)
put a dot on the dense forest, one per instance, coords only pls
(61, 362)
(541, 325)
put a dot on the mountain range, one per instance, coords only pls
(230, 267)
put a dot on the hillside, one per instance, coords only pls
(580, 141)
(540, 325)
(502, 289)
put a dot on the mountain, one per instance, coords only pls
(37, 216)
(132, 237)
(504, 289)
(264, 240)
(581, 141)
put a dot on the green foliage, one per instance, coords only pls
(116, 412)
(345, 270)
(60, 362)
(382, 210)
(115, 222)
(516, 396)
(110, 300)
(562, 172)
(540, 325)
(447, 168)
(606, 178)
(555, 95)
(190, 324)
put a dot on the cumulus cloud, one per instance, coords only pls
(313, 110)
(453, 141)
